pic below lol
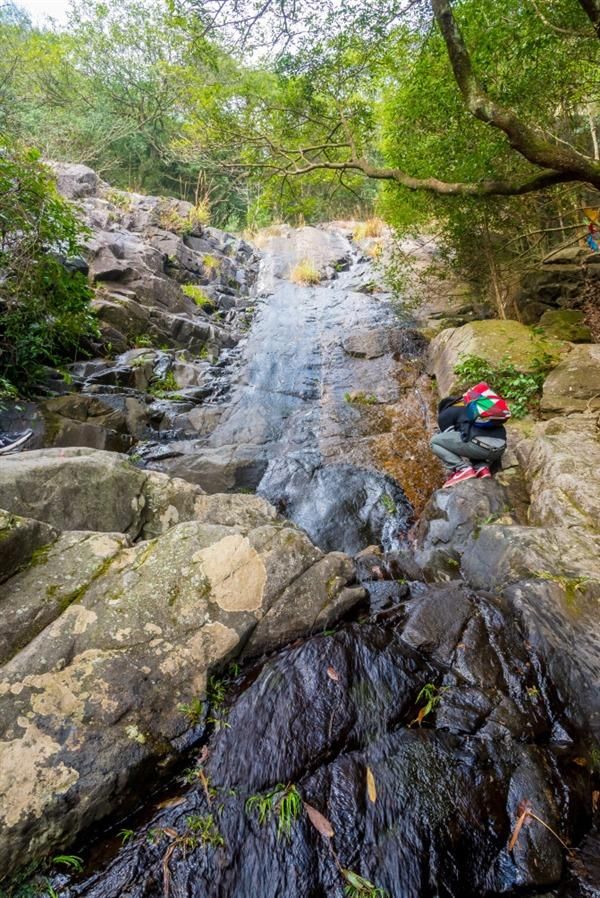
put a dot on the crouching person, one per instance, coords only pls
(472, 436)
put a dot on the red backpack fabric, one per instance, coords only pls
(484, 406)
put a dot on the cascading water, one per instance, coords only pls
(290, 424)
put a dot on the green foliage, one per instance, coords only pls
(142, 341)
(211, 263)
(429, 696)
(388, 503)
(358, 887)
(126, 835)
(521, 389)
(73, 861)
(45, 312)
(193, 710)
(360, 398)
(283, 803)
(197, 294)
(163, 387)
(205, 830)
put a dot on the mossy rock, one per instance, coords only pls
(565, 324)
(494, 340)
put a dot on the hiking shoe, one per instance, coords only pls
(10, 442)
(459, 476)
(483, 471)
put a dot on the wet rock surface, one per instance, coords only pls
(340, 710)
(314, 391)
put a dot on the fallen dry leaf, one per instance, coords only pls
(333, 674)
(170, 802)
(371, 788)
(320, 823)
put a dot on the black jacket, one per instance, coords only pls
(451, 414)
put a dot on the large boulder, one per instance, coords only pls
(449, 520)
(86, 489)
(410, 806)
(565, 324)
(574, 385)
(19, 539)
(106, 646)
(493, 340)
(560, 461)
(93, 421)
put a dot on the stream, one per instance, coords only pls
(395, 754)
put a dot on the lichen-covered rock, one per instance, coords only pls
(102, 640)
(87, 489)
(565, 324)
(494, 340)
(574, 385)
(561, 460)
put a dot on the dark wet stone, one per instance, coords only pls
(341, 507)
(448, 792)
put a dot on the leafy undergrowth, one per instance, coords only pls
(521, 389)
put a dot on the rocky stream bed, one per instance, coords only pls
(261, 655)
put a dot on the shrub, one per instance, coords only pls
(170, 218)
(45, 312)
(521, 389)
(197, 294)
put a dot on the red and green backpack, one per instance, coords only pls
(484, 407)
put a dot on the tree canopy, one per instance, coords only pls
(478, 117)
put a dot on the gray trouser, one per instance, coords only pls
(454, 454)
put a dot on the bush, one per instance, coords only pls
(521, 389)
(45, 312)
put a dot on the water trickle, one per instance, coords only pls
(312, 417)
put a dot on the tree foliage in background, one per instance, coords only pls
(439, 115)
(45, 313)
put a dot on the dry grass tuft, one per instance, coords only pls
(261, 237)
(305, 273)
(372, 227)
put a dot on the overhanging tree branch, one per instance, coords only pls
(434, 185)
(528, 140)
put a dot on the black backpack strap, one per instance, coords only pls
(448, 401)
